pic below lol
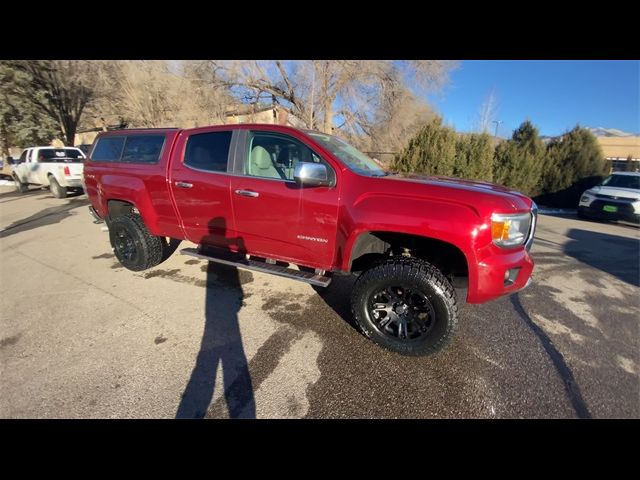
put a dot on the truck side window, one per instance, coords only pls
(208, 151)
(108, 149)
(276, 156)
(23, 157)
(143, 148)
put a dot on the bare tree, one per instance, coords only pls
(162, 94)
(487, 112)
(329, 94)
(60, 89)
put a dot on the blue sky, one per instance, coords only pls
(555, 95)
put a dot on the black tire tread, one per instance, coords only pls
(154, 246)
(414, 269)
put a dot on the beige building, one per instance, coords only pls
(271, 114)
(619, 149)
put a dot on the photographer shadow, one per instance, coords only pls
(221, 344)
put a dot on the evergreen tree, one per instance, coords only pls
(21, 124)
(574, 156)
(474, 157)
(518, 162)
(431, 151)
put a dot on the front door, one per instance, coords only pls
(276, 217)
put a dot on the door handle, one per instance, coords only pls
(184, 184)
(247, 193)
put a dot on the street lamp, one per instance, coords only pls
(497, 122)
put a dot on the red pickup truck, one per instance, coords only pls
(306, 205)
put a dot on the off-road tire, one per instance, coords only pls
(129, 230)
(20, 187)
(423, 278)
(55, 188)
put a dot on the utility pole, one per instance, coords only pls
(497, 122)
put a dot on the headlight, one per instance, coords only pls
(510, 230)
(586, 198)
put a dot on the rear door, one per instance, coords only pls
(274, 216)
(199, 179)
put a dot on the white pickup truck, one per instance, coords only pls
(59, 169)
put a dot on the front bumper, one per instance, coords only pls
(500, 275)
(503, 272)
(596, 210)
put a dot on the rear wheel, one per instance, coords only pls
(405, 305)
(57, 190)
(135, 248)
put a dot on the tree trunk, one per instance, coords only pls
(69, 129)
(328, 115)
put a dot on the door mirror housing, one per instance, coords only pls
(311, 174)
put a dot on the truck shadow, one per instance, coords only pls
(337, 297)
(221, 344)
(48, 216)
(613, 254)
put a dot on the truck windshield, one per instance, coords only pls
(623, 181)
(60, 155)
(353, 158)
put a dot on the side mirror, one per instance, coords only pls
(312, 174)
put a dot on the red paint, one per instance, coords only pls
(452, 210)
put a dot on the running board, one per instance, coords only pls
(240, 261)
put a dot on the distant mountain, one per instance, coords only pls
(609, 132)
(598, 132)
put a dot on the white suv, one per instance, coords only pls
(616, 198)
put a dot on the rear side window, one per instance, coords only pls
(208, 151)
(129, 149)
(108, 149)
(143, 148)
(59, 155)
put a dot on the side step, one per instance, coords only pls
(240, 261)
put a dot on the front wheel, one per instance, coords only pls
(20, 187)
(405, 305)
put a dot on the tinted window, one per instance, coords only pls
(59, 155)
(623, 181)
(108, 149)
(143, 148)
(208, 151)
(23, 157)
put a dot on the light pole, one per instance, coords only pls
(497, 122)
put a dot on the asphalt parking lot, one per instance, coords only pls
(82, 337)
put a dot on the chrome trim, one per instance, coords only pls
(532, 229)
(249, 264)
(247, 193)
(95, 215)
